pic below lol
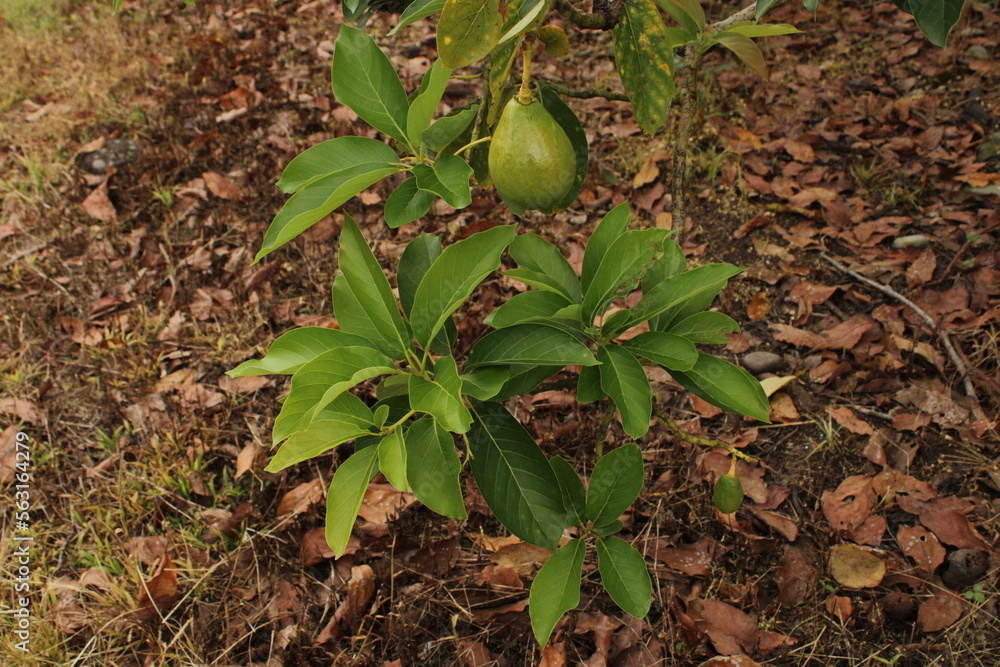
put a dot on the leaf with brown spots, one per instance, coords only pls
(920, 544)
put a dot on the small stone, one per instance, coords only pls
(898, 606)
(964, 567)
(763, 362)
(115, 153)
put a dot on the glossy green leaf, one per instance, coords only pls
(534, 253)
(292, 349)
(453, 276)
(525, 307)
(484, 383)
(556, 589)
(467, 31)
(935, 18)
(745, 50)
(502, 58)
(813, 5)
(407, 203)
(524, 379)
(530, 343)
(514, 477)
(763, 6)
(706, 327)
(422, 109)
(433, 468)
(568, 121)
(331, 156)
(317, 200)
(688, 13)
(345, 418)
(448, 179)
(588, 385)
(365, 278)
(343, 499)
(671, 263)
(416, 10)
(574, 495)
(622, 267)
(353, 317)
(751, 29)
(625, 381)
(615, 484)
(392, 459)
(609, 528)
(441, 397)
(446, 130)
(527, 13)
(684, 295)
(417, 257)
(624, 575)
(645, 60)
(668, 350)
(365, 80)
(608, 230)
(726, 386)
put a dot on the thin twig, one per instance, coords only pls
(695, 440)
(688, 94)
(956, 358)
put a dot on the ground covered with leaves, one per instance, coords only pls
(858, 186)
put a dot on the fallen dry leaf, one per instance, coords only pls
(952, 527)
(521, 557)
(475, 654)
(148, 550)
(249, 458)
(854, 567)
(773, 384)
(781, 524)
(920, 544)
(553, 655)
(730, 630)
(694, 560)
(846, 418)
(220, 186)
(383, 501)
(730, 661)
(301, 498)
(159, 593)
(8, 454)
(22, 409)
(850, 504)
(360, 589)
(98, 206)
(940, 611)
(759, 304)
(502, 577)
(840, 607)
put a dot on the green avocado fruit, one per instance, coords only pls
(728, 494)
(531, 160)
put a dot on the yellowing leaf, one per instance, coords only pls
(854, 567)
(773, 384)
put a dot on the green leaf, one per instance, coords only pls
(483, 384)
(292, 349)
(514, 477)
(608, 230)
(523, 379)
(441, 397)
(527, 12)
(448, 179)
(416, 10)
(331, 156)
(668, 350)
(670, 264)
(608, 528)
(365, 80)
(453, 276)
(392, 459)
(392, 386)
(343, 499)
(407, 203)
(568, 121)
(371, 288)
(745, 50)
(935, 18)
(725, 385)
(422, 109)
(317, 200)
(317, 383)
(621, 268)
(588, 385)
(813, 5)
(525, 307)
(684, 295)
(688, 13)
(433, 468)
(446, 130)
(344, 419)
(502, 59)
(706, 327)
(645, 60)
(615, 484)
(524, 344)
(624, 380)
(417, 257)
(623, 572)
(467, 31)
(534, 253)
(353, 317)
(750, 29)
(763, 6)
(573, 494)
(556, 589)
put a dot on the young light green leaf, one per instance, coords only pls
(484, 383)
(422, 109)
(706, 327)
(534, 253)
(353, 317)
(319, 437)
(624, 380)
(292, 349)
(453, 276)
(318, 199)
(813, 5)
(527, 12)
(726, 386)
(392, 459)
(745, 50)
(763, 6)
(608, 230)
(365, 278)
(407, 203)
(331, 156)
(688, 13)
(935, 18)
(556, 589)
(446, 130)
(573, 494)
(441, 397)
(448, 179)
(751, 29)
(433, 468)
(622, 267)
(681, 296)
(668, 350)
(417, 257)
(467, 31)
(365, 80)
(588, 385)
(530, 343)
(514, 477)
(502, 58)
(416, 10)
(525, 307)
(615, 484)
(623, 572)
(645, 60)
(343, 499)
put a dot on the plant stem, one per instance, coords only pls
(471, 144)
(688, 95)
(391, 429)
(524, 94)
(695, 440)
(602, 430)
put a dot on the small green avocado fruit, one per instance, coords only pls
(728, 494)
(531, 160)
